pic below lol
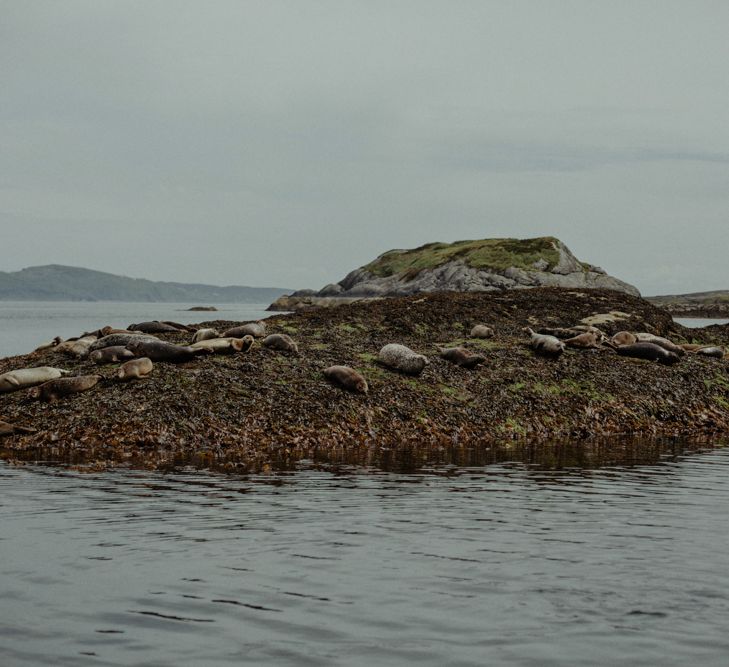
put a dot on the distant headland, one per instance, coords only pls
(69, 283)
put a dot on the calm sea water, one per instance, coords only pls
(507, 564)
(26, 324)
(694, 322)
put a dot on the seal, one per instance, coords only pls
(461, 356)
(77, 348)
(225, 345)
(55, 389)
(255, 329)
(547, 346)
(153, 327)
(663, 342)
(158, 350)
(205, 334)
(122, 339)
(711, 351)
(649, 351)
(281, 342)
(585, 341)
(346, 378)
(401, 358)
(623, 338)
(135, 369)
(6, 428)
(110, 355)
(481, 331)
(53, 343)
(29, 377)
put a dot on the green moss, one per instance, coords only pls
(289, 328)
(368, 357)
(318, 346)
(498, 254)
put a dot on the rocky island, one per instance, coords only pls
(263, 407)
(488, 265)
(714, 304)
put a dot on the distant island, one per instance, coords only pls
(486, 265)
(69, 283)
(698, 304)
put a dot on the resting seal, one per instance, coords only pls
(55, 389)
(663, 342)
(623, 338)
(205, 334)
(158, 350)
(649, 351)
(225, 345)
(711, 351)
(255, 329)
(77, 348)
(281, 342)
(461, 356)
(122, 339)
(28, 377)
(135, 369)
(154, 327)
(585, 341)
(54, 343)
(401, 358)
(346, 378)
(547, 346)
(111, 355)
(481, 331)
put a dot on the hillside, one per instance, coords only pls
(68, 283)
(486, 265)
(697, 304)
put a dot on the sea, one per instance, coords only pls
(565, 554)
(26, 324)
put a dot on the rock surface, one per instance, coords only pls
(489, 265)
(259, 409)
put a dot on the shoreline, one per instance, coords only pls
(248, 411)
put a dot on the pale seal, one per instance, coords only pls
(158, 350)
(711, 351)
(111, 355)
(225, 345)
(346, 378)
(585, 341)
(77, 348)
(623, 338)
(55, 389)
(281, 342)
(255, 329)
(461, 356)
(205, 334)
(547, 346)
(401, 358)
(135, 369)
(28, 377)
(481, 331)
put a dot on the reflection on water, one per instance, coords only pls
(533, 562)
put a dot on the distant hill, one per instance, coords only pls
(697, 304)
(485, 265)
(69, 283)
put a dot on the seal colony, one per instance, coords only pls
(324, 385)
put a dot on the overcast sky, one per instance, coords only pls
(285, 143)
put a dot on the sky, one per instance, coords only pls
(284, 143)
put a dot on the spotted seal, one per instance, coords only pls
(111, 355)
(281, 342)
(135, 369)
(649, 351)
(461, 356)
(547, 346)
(401, 358)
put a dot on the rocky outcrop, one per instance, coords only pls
(467, 266)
